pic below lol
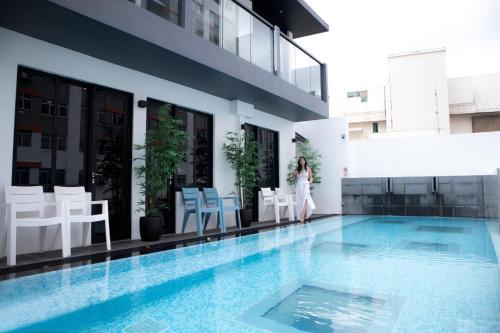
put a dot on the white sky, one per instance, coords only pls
(363, 32)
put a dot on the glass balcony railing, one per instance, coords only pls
(229, 25)
(298, 68)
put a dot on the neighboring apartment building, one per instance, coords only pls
(418, 99)
(81, 81)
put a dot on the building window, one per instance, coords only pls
(362, 94)
(62, 110)
(46, 142)
(24, 139)
(22, 176)
(197, 26)
(45, 176)
(61, 143)
(61, 177)
(25, 103)
(268, 155)
(196, 170)
(214, 27)
(48, 107)
(375, 127)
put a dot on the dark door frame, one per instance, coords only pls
(126, 202)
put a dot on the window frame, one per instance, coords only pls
(210, 139)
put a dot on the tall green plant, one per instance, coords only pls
(242, 154)
(162, 155)
(313, 158)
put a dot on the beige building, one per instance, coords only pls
(419, 100)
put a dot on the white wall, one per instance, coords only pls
(17, 49)
(325, 136)
(447, 155)
(415, 79)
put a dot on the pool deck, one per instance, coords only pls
(34, 263)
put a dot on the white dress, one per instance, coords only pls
(303, 195)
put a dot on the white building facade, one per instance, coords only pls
(419, 100)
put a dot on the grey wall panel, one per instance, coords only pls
(461, 196)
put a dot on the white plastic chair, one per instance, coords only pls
(277, 200)
(79, 210)
(284, 200)
(29, 202)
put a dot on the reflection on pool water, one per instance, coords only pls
(341, 274)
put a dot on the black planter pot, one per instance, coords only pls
(150, 227)
(246, 217)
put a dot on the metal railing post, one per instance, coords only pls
(276, 50)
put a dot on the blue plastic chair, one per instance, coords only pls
(192, 204)
(212, 200)
(234, 207)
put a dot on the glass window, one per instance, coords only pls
(46, 142)
(197, 19)
(55, 150)
(22, 176)
(24, 138)
(214, 28)
(25, 103)
(61, 143)
(268, 155)
(48, 107)
(375, 127)
(45, 176)
(197, 168)
(167, 9)
(62, 110)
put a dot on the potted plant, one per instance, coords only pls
(313, 158)
(163, 153)
(242, 154)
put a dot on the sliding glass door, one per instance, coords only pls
(71, 133)
(196, 170)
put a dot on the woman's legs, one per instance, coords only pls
(303, 213)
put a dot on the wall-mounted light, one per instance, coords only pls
(142, 103)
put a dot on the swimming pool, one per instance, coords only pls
(342, 274)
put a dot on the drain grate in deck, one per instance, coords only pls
(450, 230)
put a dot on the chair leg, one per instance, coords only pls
(11, 244)
(276, 211)
(199, 227)
(85, 231)
(185, 221)
(108, 236)
(66, 247)
(42, 237)
(222, 222)
(206, 218)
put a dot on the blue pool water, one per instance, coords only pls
(342, 274)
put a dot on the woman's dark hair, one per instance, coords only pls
(299, 167)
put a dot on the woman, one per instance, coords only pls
(303, 177)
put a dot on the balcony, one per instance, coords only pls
(238, 30)
(216, 46)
